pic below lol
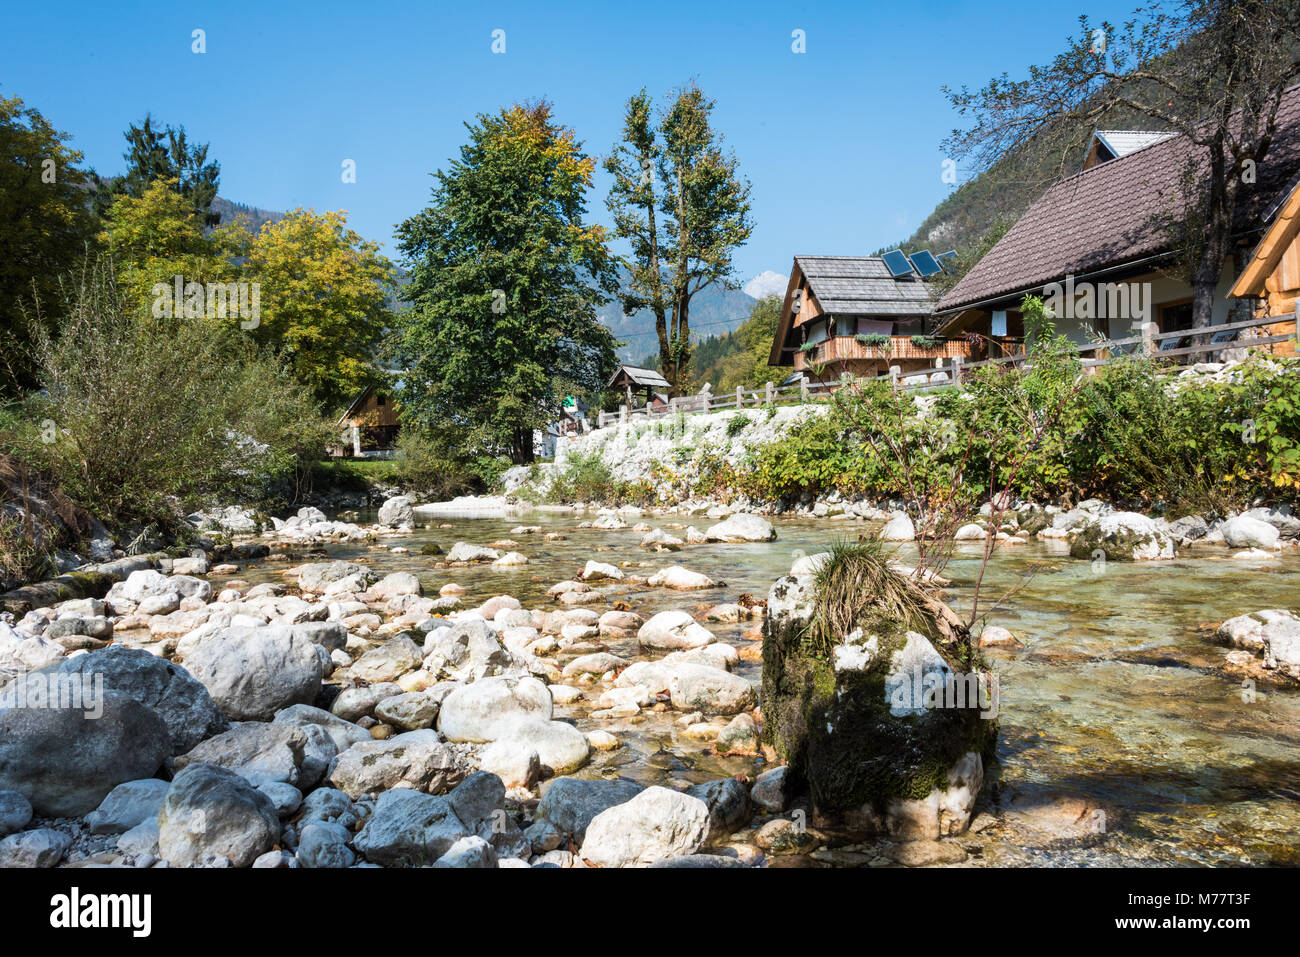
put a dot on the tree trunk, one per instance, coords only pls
(521, 448)
(1208, 265)
(684, 340)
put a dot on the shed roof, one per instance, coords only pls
(638, 376)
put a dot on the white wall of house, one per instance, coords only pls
(1156, 291)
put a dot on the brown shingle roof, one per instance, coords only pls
(863, 286)
(1117, 213)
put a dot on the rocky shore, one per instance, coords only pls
(344, 718)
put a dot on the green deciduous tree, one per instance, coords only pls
(505, 281)
(324, 300)
(678, 200)
(741, 358)
(44, 228)
(158, 236)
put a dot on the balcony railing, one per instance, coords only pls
(843, 348)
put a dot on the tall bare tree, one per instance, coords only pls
(1211, 70)
(679, 201)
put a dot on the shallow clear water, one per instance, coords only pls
(1117, 693)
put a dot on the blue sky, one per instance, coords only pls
(842, 142)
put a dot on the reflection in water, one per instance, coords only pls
(1116, 694)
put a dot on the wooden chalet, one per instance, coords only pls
(1099, 241)
(850, 314)
(1271, 280)
(370, 425)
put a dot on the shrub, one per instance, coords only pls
(586, 478)
(430, 463)
(36, 518)
(140, 415)
(737, 424)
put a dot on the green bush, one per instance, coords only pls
(431, 464)
(140, 419)
(585, 478)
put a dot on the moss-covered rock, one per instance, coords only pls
(887, 713)
(1122, 537)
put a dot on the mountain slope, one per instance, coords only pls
(714, 311)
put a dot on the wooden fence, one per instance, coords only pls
(1160, 345)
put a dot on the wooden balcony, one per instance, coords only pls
(899, 349)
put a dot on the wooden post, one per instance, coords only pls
(1297, 320)
(956, 369)
(893, 377)
(629, 396)
(704, 401)
(1148, 340)
(771, 395)
(803, 390)
(740, 397)
(622, 415)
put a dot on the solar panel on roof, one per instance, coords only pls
(924, 263)
(946, 259)
(897, 263)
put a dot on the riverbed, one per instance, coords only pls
(1116, 698)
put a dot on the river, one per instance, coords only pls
(1117, 693)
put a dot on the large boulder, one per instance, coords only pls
(395, 585)
(695, 687)
(681, 579)
(169, 689)
(344, 734)
(316, 579)
(252, 673)
(569, 804)
(1281, 518)
(389, 661)
(409, 829)
(489, 708)
(397, 511)
(728, 803)
(15, 812)
(1122, 537)
(1248, 531)
(128, 805)
(1272, 635)
(464, 552)
(66, 760)
(741, 527)
(416, 759)
(899, 528)
(470, 650)
(658, 823)
(559, 746)
(673, 631)
(41, 847)
(599, 571)
(212, 817)
(888, 709)
(19, 652)
(265, 753)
